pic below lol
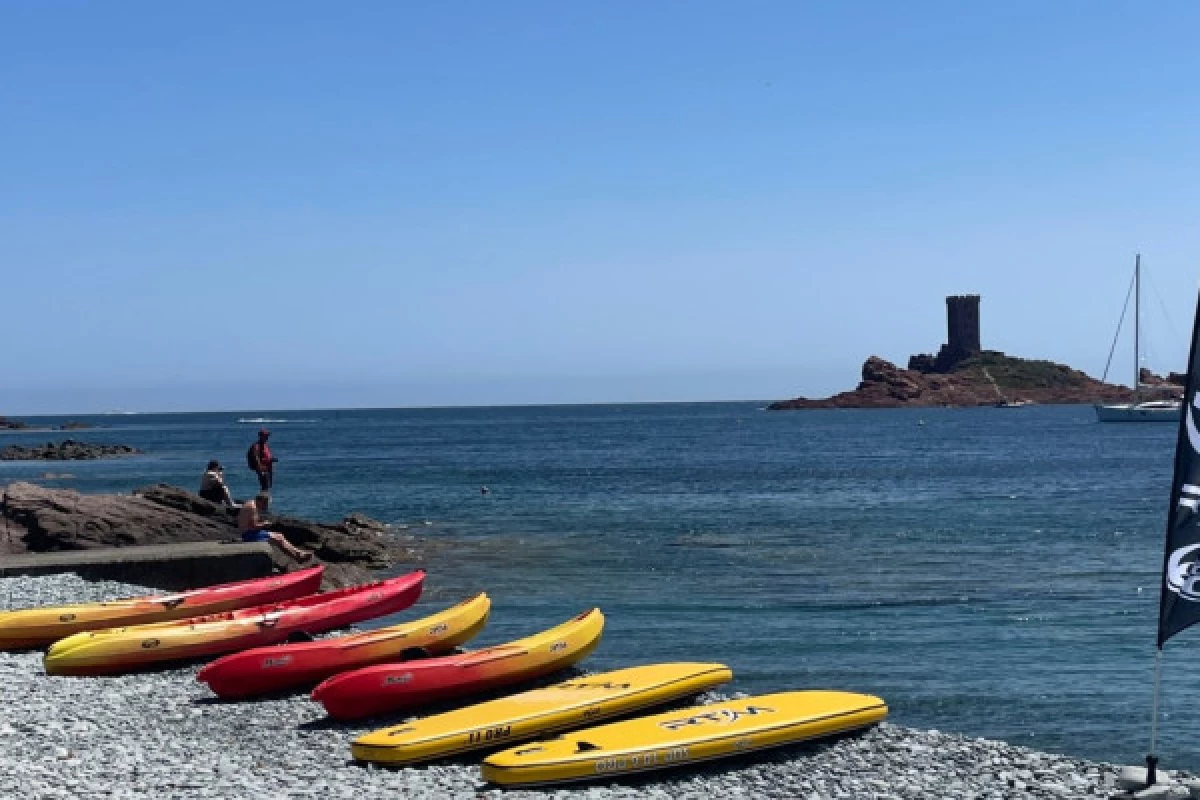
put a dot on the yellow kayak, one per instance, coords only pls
(563, 706)
(119, 650)
(678, 738)
(37, 627)
(287, 666)
(388, 687)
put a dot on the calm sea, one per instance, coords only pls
(987, 571)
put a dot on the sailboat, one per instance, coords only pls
(1139, 410)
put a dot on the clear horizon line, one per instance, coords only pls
(122, 413)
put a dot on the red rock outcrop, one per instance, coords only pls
(990, 378)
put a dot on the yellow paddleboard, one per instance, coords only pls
(562, 706)
(678, 738)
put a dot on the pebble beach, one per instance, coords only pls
(162, 735)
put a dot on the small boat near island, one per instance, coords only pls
(1158, 410)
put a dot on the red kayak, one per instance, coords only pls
(286, 666)
(390, 687)
(117, 650)
(36, 627)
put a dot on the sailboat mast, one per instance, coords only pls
(1137, 324)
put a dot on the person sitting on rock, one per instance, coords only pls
(253, 527)
(212, 485)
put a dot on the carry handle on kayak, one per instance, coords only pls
(367, 638)
(172, 601)
(491, 654)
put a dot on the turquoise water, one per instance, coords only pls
(987, 571)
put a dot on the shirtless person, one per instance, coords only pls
(253, 528)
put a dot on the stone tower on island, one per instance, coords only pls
(962, 336)
(962, 324)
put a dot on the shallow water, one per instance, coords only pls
(987, 571)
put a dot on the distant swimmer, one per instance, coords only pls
(259, 459)
(253, 527)
(213, 487)
(483, 490)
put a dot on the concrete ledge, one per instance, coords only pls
(162, 566)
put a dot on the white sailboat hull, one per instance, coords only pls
(1139, 412)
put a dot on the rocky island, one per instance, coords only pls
(35, 519)
(963, 374)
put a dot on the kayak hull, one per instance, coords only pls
(120, 650)
(278, 668)
(392, 687)
(37, 627)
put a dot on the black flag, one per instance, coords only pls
(1179, 606)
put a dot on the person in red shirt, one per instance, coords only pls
(259, 459)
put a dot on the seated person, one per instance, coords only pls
(253, 527)
(212, 485)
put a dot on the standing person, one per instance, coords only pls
(253, 527)
(213, 487)
(259, 459)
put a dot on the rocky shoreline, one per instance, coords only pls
(10, 424)
(66, 450)
(161, 734)
(37, 519)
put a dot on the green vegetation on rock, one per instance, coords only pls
(1020, 373)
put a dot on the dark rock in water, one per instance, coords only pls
(983, 379)
(7, 424)
(67, 450)
(59, 519)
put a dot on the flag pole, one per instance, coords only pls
(1151, 758)
(1178, 599)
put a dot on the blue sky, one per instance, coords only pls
(230, 205)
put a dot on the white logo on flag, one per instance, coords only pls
(1182, 577)
(1193, 433)
(1189, 496)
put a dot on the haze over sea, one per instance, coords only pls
(987, 571)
